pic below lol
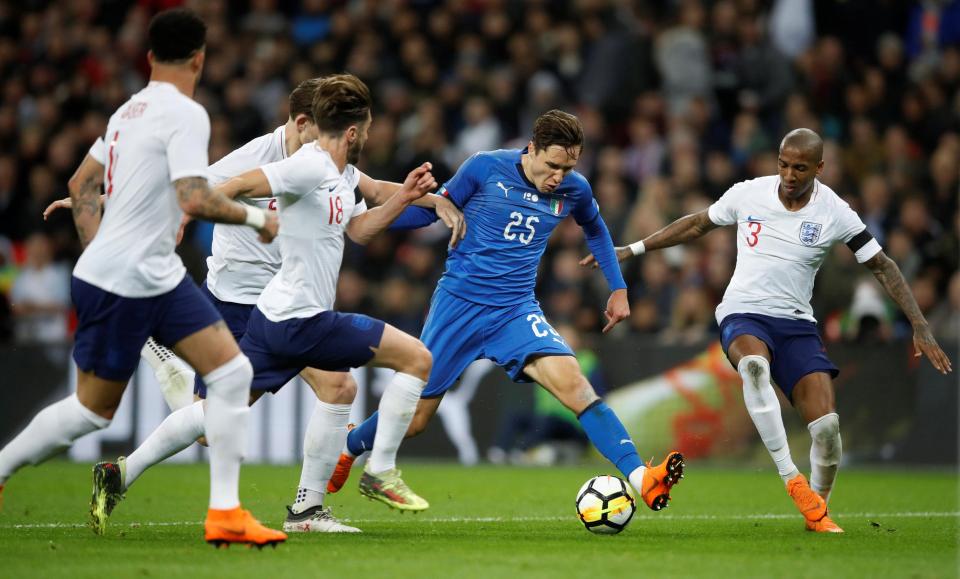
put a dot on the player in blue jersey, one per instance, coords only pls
(485, 307)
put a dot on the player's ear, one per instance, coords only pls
(151, 58)
(820, 168)
(196, 62)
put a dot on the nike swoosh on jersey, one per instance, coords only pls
(752, 218)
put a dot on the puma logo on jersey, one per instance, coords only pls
(625, 441)
(505, 188)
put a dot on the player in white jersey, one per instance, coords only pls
(129, 284)
(786, 225)
(234, 296)
(293, 325)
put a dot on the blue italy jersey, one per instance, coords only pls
(508, 225)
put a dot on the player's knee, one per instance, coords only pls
(341, 390)
(825, 432)
(419, 362)
(575, 392)
(755, 371)
(231, 380)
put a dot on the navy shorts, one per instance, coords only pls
(235, 315)
(331, 341)
(459, 331)
(795, 346)
(112, 329)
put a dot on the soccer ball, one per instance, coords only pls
(605, 504)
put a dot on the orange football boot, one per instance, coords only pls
(824, 525)
(238, 526)
(809, 503)
(658, 480)
(342, 472)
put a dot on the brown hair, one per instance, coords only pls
(301, 98)
(339, 101)
(556, 127)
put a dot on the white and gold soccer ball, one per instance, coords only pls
(605, 504)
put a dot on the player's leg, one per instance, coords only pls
(751, 357)
(813, 397)
(201, 337)
(176, 378)
(454, 330)
(562, 377)
(412, 361)
(807, 376)
(325, 435)
(109, 335)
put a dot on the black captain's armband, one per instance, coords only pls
(859, 240)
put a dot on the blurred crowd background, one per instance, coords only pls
(679, 100)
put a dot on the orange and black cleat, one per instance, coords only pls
(658, 480)
(222, 528)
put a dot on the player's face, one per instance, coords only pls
(797, 171)
(549, 166)
(356, 147)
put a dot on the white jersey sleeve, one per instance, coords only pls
(98, 151)
(724, 210)
(296, 176)
(849, 226)
(187, 146)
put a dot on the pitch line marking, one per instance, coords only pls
(764, 516)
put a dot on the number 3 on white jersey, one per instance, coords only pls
(516, 218)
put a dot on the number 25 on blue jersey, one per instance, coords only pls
(516, 220)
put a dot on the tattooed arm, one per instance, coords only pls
(889, 276)
(198, 200)
(84, 187)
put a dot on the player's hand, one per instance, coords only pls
(925, 344)
(183, 224)
(623, 253)
(64, 203)
(270, 228)
(618, 309)
(418, 183)
(452, 218)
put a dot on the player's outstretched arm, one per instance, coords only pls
(84, 187)
(687, 228)
(890, 277)
(376, 192)
(418, 183)
(199, 201)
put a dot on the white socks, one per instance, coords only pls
(228, 396)
(175, 377)
(764, 409)
(177, 432)
(825, 453)
(326, 434)
(636, 480)
(397, 407)
(51, 431)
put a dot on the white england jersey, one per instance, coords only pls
(240, 265)
(779, 251)
(157, 137)
(315, 202)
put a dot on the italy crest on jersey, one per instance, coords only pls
(556, 206)
(810, 232)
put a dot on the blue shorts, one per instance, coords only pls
(458, 331)
(235, 315)
(795, 346)
(112, 329)
(331, 341)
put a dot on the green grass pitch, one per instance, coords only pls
(489, 522)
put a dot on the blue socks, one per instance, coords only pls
(360, 439)
(607, 433)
